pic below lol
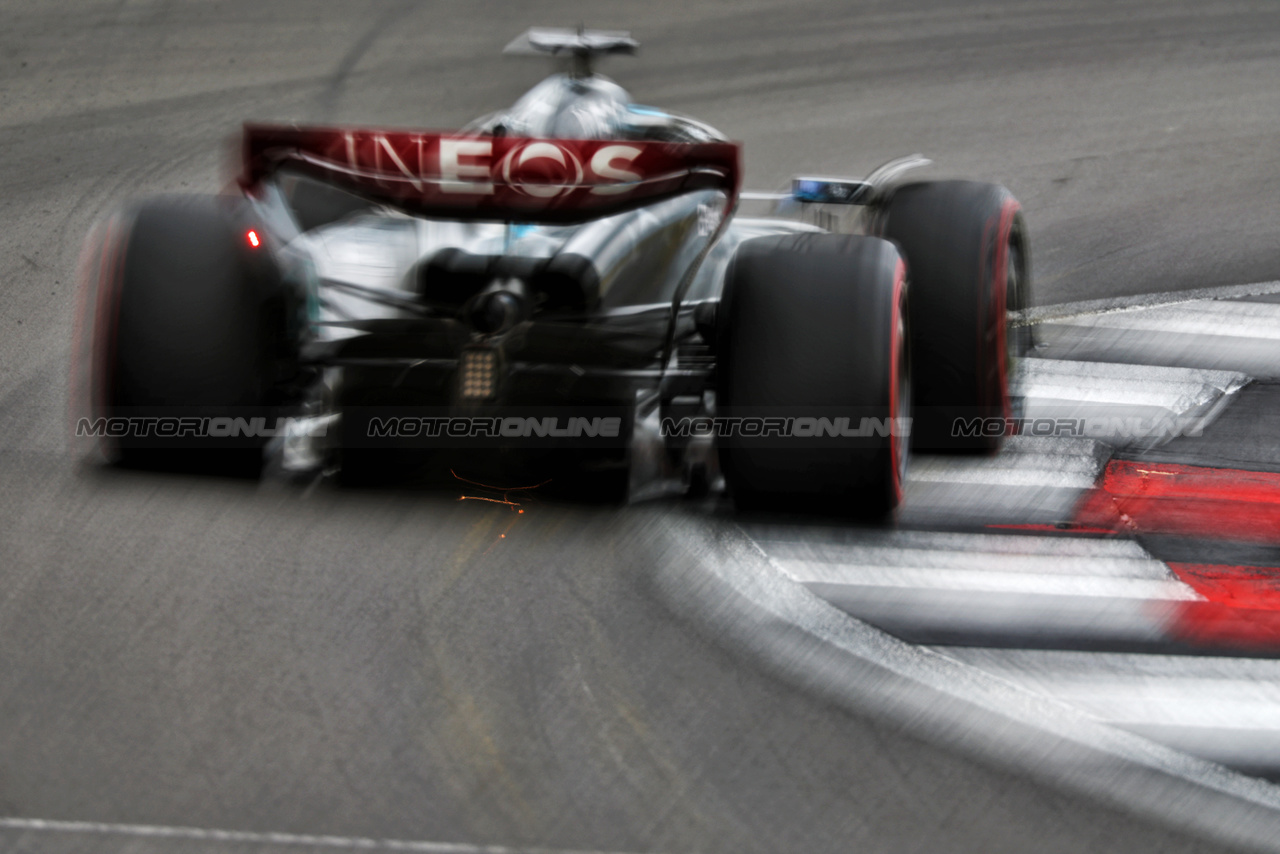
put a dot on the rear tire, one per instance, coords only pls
(813, 326)
(967, 256)
(191, 326)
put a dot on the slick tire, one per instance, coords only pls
(812, 329)
(188, 324)
(965, 245)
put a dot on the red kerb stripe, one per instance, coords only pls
(1243, 607)
(1186, 500)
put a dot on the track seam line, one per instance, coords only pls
(198, 834)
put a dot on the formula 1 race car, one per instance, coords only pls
(564, 286)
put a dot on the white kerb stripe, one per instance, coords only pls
(1064, 311)
(926, 582)
(1259, 321)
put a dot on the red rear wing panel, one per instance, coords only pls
(482, 177)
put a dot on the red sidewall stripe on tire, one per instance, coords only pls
(80, 381)
(108, 325)
(999, 308)
(101, 268)
(899, 280)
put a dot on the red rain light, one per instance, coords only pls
(254, 241)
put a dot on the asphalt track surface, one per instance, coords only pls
(221, 654)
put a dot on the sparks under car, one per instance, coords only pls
(569, 284)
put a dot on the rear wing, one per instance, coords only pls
(498, 178)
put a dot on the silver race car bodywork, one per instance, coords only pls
(566, 283)
(635, 342)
